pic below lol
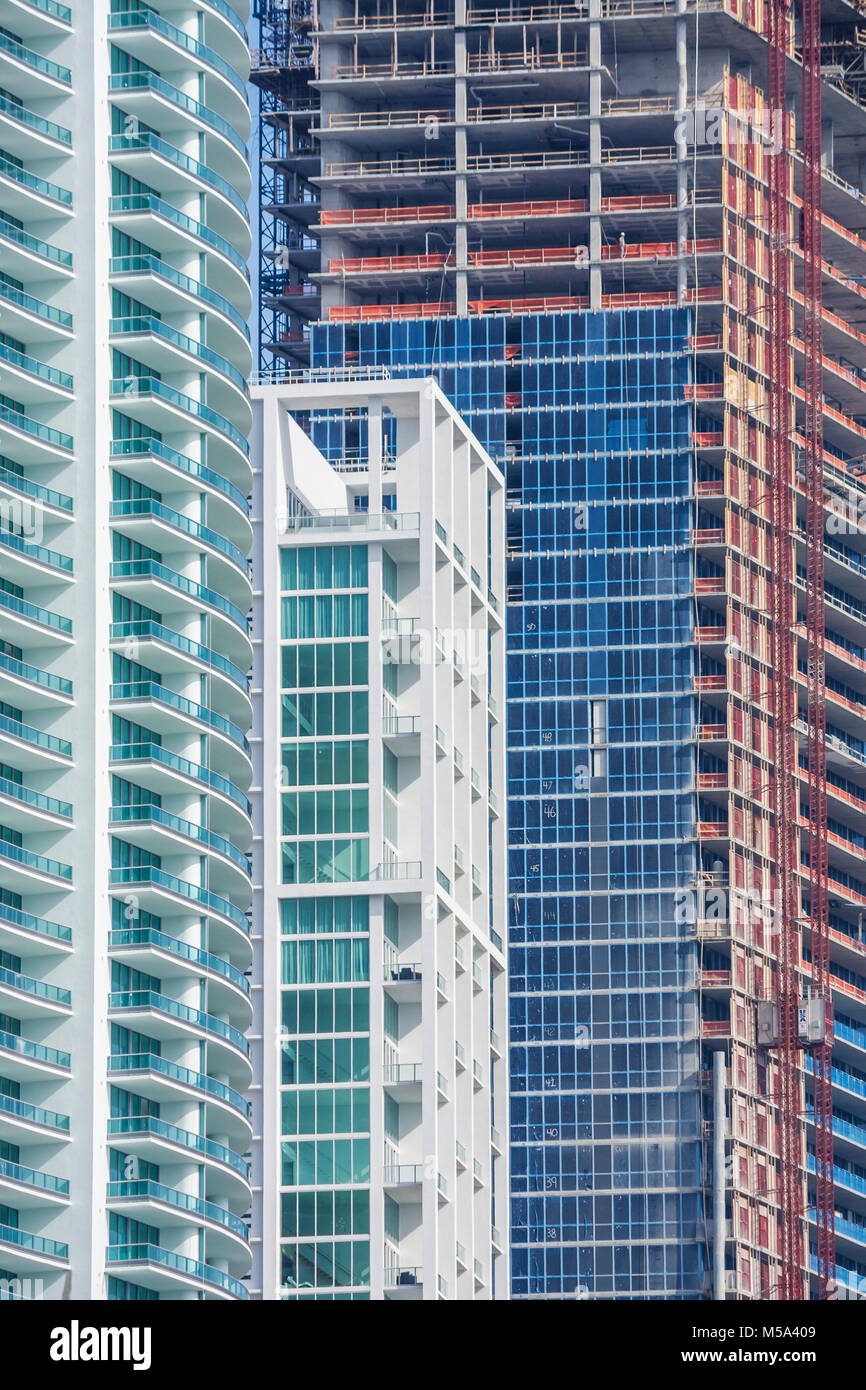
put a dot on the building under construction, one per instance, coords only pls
(628, 238)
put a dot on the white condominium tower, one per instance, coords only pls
(378, 1163)
(124, 649)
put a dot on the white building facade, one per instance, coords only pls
(379, 1166)
(124, 649)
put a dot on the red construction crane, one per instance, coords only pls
(785, 782)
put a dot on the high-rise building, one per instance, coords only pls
(379, 864)
(124, 649)
(561, 212)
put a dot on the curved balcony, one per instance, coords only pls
(22, 683)
(160, 104)
(160, 1142)
(166, 408)
(162, 833)
(23, 808)
(27, 195)
(47, 18)
(228, 927)
(25, 1060)
(168, 1206)
(164, 349)
(23, 870)
(32, 380)
(162, 1017)
(33, 748)
(224, 30)
(29, 553)
(26, 316)
(144, 947)
(159, 1079)
(149, 37)
(32, 442)
(28, 73)
(151, 461)
(174, 714)
(164, 525)
(155, 584)
(27, 255)
(31, 998)
(19, 617)
(35, 1186)
(163, 1269)
(159, 224)
(170, 651)
(154, 161)
(31, 1252)
(19, 1115)
(22, 930)
(58, 501)
(30, 136)
(169, 773)
(157, 284)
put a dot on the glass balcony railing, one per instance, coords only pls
(34, 60)
(197, 1143)
(37, 307)
(145, 628)
(39, 863)
(147, 936)
(36, 737)
(148, 140)
(31, 611)
(34, 244)
(154, 265)
(154, 569)
(40, 1245)
(152, 386)
(34, 1114)
(25, 921)
(34, 367)
(202, 897)
(32, 550)
(38, 800)
(155, 815)
(37, 123)
(184, 1201)
(35, 490)
(149, 19)
(58, 439)
(39, 989)
(357, 521)
(151, 202)
(222, 8)
(151, 81)
(34, 675)
(35, 1052)
(149, 690)
(17, 1172)
(149, 506)
(54, 9)
(162, 1004)
(42, 187)
(167, 1259)
(199, 1081)
(154, 752)
(139, 448)
(148, 323)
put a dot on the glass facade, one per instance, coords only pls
(586, 414)
(325, 1098)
